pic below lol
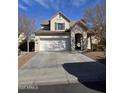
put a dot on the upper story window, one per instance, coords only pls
(59, 26)
(60, 16)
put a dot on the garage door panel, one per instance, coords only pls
(58, 44)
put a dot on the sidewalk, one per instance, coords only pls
(24, 57)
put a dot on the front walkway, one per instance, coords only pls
(51, 68)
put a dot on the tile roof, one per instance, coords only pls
(45, 22)
(46, 32)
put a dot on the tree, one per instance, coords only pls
(26, 25)
(96, 17)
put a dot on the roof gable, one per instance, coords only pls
(60, 13)
(80, 23)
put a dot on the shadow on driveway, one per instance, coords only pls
(90, 74)
(102, 60)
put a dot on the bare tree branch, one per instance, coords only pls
(26, 25)
(96, 17)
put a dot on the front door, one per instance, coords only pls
(78, 40)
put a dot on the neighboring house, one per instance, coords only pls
(94, 37)
(21, 38)
(61, 34)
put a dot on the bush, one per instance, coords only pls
(100, 47)
(102, 42)
(96, 47)
(67, 30)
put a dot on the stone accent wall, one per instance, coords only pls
(75, 30)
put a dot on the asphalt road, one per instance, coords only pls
(63, 88)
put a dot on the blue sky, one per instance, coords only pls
(45, 9)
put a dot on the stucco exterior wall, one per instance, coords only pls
(58, 20)
(94, 40)
(37, 43)
(89, 44)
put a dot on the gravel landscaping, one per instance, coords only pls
(98, 56)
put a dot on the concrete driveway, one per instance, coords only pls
(52, 68)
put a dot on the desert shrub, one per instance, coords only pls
(94, 47)
(23, 46)
(67, 30)
(102, 42)
(100, 47)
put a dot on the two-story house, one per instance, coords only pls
(61, 34)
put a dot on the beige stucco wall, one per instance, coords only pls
(58, 20)
(94, 40)
(88, 44)
(37, 43)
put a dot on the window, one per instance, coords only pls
(55, 26)
(59, 26)
(59, 16)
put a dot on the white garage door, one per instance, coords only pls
(55, 43)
